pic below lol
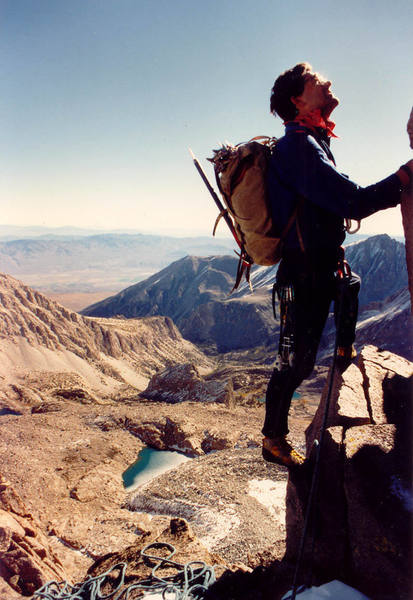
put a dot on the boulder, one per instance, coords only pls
(375, 366)
(184, 383)
(149, 432)
(10, 500)
(181, 435)
(26, 559)
(216, 440)
(348, 406)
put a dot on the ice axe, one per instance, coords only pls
(245, 262)
(223, 212)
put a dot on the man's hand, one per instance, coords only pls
(410, 129)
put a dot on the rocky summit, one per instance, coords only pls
(365, 510)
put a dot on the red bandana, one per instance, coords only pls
(314, 120)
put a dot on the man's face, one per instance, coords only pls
(316, 95)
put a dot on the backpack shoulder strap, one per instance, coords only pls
(294, 217)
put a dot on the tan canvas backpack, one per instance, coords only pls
(241, 174)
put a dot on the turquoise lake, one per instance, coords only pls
(149, 464)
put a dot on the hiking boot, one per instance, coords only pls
(345, 355)
(278, 450)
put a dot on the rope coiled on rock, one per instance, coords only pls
(190, 582)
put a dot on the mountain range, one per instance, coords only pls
(194, 292)
(39, 335)
(85, 263)
(68, 260)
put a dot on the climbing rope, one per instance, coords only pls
(345, 275)
(190, 581)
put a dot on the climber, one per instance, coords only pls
(303, 173)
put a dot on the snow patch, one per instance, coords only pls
(210, 525)
(336, 590)
(270, 494)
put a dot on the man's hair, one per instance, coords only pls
(288, 85)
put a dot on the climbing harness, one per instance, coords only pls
(286, 348)
(190, 581)
(343, 277)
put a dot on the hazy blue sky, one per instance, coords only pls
(99, 100)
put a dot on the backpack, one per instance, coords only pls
(241, 175)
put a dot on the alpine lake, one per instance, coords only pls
(149, 464)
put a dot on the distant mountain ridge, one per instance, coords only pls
(66, 261)
(381, 263)
(379, 260)
(24, 232)
(194, 292)
(176, 290)
(104, 261)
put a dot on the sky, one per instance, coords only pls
(100, 100)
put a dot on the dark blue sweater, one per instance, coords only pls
(303, 166)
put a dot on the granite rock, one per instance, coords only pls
(375, 366)
(26, 557)
(348, 406)
(182, 383)
(379, 507)
(364, 504)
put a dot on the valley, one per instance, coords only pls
(171, 363)
(74, 416)
(92, 264)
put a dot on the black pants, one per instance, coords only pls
(314, 290)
